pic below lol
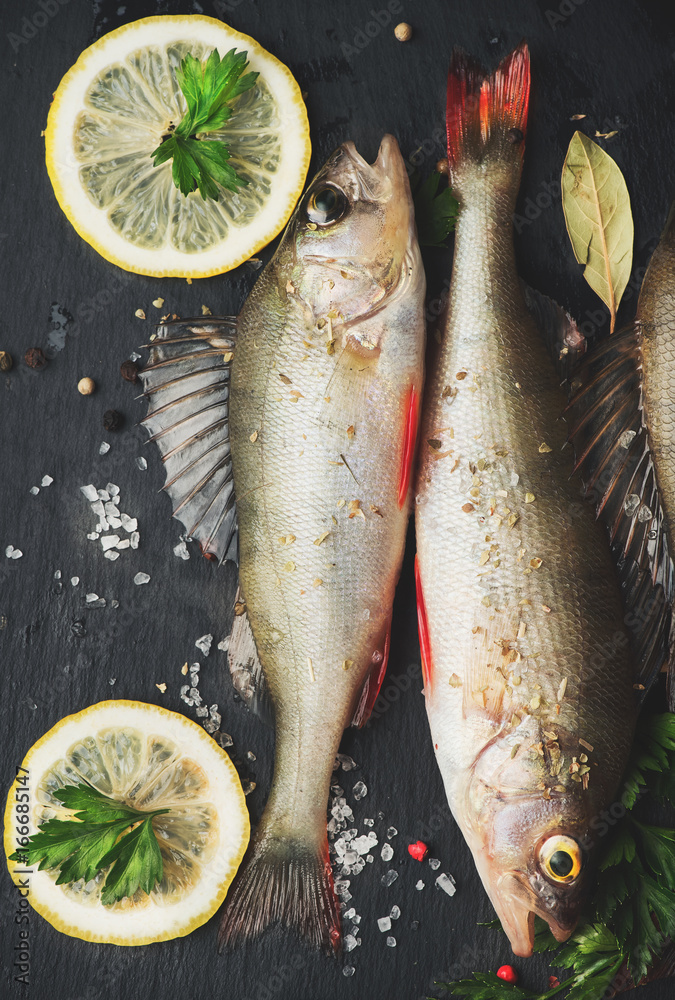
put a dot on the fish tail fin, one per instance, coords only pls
(486, 115)
(283, 880)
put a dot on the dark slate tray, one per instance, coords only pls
(614, 61)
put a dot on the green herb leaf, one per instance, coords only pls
(598, 219)
(83, 847)
(435, 214)
(137, 864)
(209, 88)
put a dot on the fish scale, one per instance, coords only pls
(521, 615)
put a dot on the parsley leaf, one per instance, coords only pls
(83, 847)
(208, 88)
(435, 213)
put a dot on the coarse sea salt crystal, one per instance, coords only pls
(129, 523)
(123, 544)
(135, 539)
(349, 942)
(348, 914)
(389, 877)
(103, 495)
(224, 644)
(109, 542)
(204, 644)
(395, 912)
(434, 863)
(446, 883)
(362, 845)
(92, 536)
(35, 490)
(181, 550)
(348, 970)
(104, 449)
(419, 884)
(113, 489)
(369, 822)
(90, 492)
(387, 852)
(114, 522)
(141, 463)
(74, 580)
(46, 481)
(90, 598)
(391, 832)
(111, 554)
(140, 578)
(384, 923)
(391, 942)
(345, 762)
(359, 791)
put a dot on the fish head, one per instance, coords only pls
(352, 243)
(531, 846)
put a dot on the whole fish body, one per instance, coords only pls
(528, 675)
(324, 371)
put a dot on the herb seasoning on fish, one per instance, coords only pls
(324, 367)
(526, 659)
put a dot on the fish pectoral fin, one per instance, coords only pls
(607, 428)
(246, 669)
(565, 342)
(373, 682)
(187, 385)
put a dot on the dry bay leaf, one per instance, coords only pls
(598, 219)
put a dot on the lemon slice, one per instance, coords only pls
(151, 759)
(110, 112)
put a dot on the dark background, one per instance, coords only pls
(613, 61)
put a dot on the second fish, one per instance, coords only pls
(528, 677)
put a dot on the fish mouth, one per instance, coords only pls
(516, 905)
(384, 179)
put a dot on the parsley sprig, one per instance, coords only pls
(435, 211)
(209, 88)
(104, 833)
(633, 915)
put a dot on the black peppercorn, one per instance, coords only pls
(129, 371)
(112, 420)
(35, 358)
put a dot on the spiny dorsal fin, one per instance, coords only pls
(565, 342)
(187, 383)
(608, 430)
(246, 669)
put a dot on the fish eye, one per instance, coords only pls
(560, 858)
(326, 205)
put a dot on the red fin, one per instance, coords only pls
(373, 683)
(487, 115)
(283, 881)
(409, 441)
(423, 628)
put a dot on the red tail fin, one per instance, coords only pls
(283, 881)
(487, 115)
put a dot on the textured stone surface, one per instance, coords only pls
(611, 61)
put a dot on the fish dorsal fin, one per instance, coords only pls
(565, 342)
(608, 431)
(246, 669)
(187, 384)
(373, 682)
